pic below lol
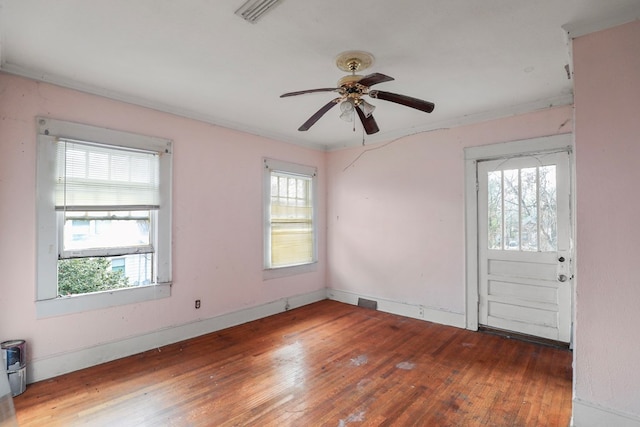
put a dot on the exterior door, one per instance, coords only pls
(524, 245)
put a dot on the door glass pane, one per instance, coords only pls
(511, 183)
(548, 209)
(495, 209)
(529, 218)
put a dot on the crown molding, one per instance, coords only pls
(623, 16)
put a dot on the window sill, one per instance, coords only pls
(275, 273)
(100, 300)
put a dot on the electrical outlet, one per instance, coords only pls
(421, 312)
(197, 303)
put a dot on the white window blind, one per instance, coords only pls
(92, 176)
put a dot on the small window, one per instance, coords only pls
(290, 226)
(118, 265)
(104, 203)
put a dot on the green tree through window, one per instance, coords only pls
(86, 275)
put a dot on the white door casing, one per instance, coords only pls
(519, 268)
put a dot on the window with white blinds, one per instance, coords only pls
(104, 217)
(290, 237)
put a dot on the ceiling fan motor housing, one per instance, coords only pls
(350, 80)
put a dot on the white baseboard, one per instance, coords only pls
(402, 309)
(52, 366)
(587, 414)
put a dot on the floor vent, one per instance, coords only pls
(253, 10)
(367, 303)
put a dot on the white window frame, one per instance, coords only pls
(269, 166)
(48, 220)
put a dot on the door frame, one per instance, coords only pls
(510, 149)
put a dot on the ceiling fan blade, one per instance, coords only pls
(302, 92)
(374, 79)
(306, 125)
(369, 123)
(408, 101)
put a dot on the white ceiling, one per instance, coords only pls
(474, 59)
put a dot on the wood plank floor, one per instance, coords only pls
(325, 364)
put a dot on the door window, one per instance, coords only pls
(521, 209)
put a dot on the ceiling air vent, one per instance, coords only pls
(253, 10)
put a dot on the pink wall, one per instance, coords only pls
(217, 220)
(607, 133)
(408, 194)
(396, 211)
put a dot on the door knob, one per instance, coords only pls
(561, 259)
(562, 278)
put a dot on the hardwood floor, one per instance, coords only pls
(326, 364)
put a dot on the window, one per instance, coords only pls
(118, 264)
(522, 209)
(290, 225)
(104, 225)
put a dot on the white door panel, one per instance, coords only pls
(524, 290)
(524, 245)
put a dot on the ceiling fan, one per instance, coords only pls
(353, 87)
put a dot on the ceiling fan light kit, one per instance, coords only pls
(366, 108)
(353, 87)
(346, 107)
